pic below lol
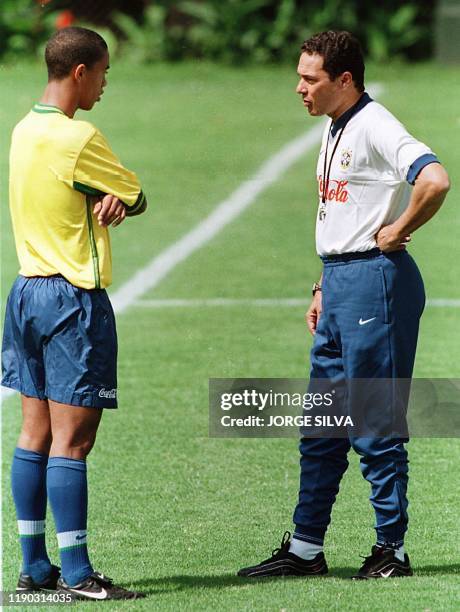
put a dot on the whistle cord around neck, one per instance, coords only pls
(327, 176)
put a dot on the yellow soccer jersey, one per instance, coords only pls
(56, 165)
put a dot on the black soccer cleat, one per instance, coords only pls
(97, 587)
(382, 563)
(284, 563)
(26, 583)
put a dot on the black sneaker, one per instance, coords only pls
(284, 563)
(382, 563)
(98, 587)
(26, 583)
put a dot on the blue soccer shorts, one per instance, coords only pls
(60, 343)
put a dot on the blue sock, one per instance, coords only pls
(68, 495)
(28, 484)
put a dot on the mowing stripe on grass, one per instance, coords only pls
(270, 302)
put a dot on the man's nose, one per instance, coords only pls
(301, 87)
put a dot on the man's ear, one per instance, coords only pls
(79, 72)
(346, 79)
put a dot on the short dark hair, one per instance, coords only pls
(72, 46)
(341, 52)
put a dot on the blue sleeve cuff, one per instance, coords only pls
(418, 166)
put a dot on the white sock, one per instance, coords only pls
(305, 550)
(399, 552)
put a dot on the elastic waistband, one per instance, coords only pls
(51, 276)
(351, 256)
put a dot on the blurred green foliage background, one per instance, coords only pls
(230, 31)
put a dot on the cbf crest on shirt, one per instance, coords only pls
(345, 158)
(370, 178)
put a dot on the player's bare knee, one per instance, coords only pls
(35, 435)
(73, 447)
(38, 441)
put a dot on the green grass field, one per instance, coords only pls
(173, 512)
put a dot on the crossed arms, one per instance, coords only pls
(110, 210)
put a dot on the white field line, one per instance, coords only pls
(443, 303)
(224, 213)
(258, 302)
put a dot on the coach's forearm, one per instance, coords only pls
(430, 190)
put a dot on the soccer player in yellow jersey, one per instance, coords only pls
(67, 188)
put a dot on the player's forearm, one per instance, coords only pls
(429, 192)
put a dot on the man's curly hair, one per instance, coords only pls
(341, 52)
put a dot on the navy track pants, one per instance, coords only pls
(368, 329)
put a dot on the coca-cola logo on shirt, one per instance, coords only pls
(335, 191)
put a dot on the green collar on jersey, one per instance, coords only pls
(39, 107)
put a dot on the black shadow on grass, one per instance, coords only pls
(436, 570)
(171, 584)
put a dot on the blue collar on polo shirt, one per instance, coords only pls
(344, 117)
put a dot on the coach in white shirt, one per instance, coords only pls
(377, 185)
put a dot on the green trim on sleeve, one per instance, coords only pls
(138, 204)
(140, 200)
(92, 242)
(87, 190)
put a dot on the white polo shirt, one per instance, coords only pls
(372, 171)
